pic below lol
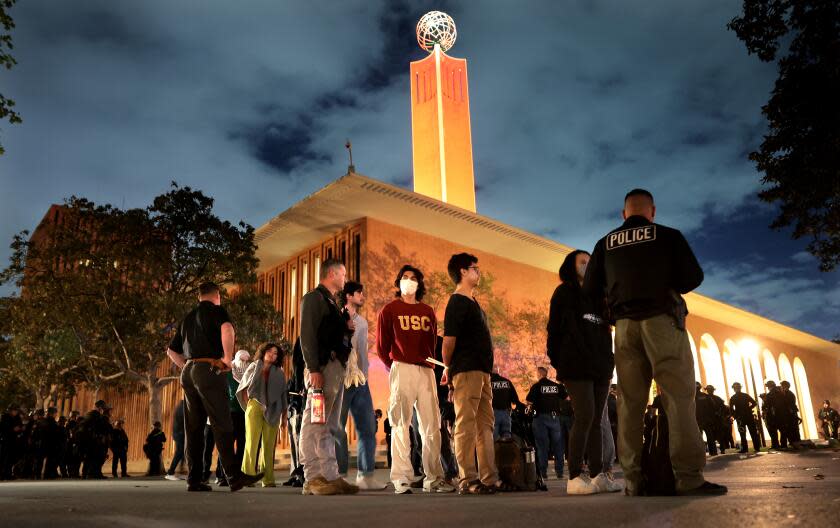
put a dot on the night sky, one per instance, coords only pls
(573, 103)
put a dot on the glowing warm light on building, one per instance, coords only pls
(771, 372)
(694, 356)
(806, 407)
(712, 363)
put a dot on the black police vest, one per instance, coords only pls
(548, 399)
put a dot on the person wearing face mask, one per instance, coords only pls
(580, 349)
(405, 339)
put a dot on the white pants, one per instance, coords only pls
(414, 387)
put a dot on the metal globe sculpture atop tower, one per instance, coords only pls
(436, 27)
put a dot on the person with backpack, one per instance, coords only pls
(580, 349)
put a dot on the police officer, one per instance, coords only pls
(769, 406)
(741, 405)
(705, 412)
(119, 449)
(829, 420)
(546, 397)
(203, 349)
(94, 434)
(721, 428)
(504, 395)
(788, 415)
(51, 444)
(11, 427)
(642, 268)
(72, 452)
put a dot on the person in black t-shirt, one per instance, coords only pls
(203, 349)
(468, 354)
(504, 395)
(546, 398)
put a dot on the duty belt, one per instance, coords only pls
(213, 362)
(553, 414)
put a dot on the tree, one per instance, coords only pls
(6, 60)
(800, 155)
(123, 279)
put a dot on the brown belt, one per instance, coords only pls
(215, 363)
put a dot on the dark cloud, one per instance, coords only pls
(572, 104)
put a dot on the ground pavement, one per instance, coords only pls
(784, 489)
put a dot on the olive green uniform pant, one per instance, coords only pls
(655, 348)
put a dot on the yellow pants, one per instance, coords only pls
(256, 427)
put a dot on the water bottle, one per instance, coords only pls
(318, 414)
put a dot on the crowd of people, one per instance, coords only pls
(42, 445)
(449, 405)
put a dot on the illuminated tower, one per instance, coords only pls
(440, 117)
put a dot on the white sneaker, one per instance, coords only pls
(369, 482)
(401, 487)
(438, 486)
(581, 485)
(606, 483)
(172, 477)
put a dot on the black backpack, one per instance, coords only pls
(657, 472)
(516, 463)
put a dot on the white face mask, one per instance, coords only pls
(408, 287)
(581, 270)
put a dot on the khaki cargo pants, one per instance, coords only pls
(655, 348)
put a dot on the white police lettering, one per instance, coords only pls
(501, 385)
(592, 318)
(629, 237)
(550, 389)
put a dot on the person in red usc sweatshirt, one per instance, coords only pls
(405, 337)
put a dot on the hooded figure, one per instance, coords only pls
(240, 363)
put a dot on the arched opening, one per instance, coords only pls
(694, 355)
(732, 367)
(771, 372)
(712, 365)
(806, 407)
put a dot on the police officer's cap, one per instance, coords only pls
(736, 384)
(770, 383)
(710, 388)
(785, 384)
(100, 404)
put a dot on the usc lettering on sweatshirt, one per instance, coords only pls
(406, 333)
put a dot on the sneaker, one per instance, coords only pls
(606, 483)
(171, 477)
(402, 487)
(241, 480)
(369, 483)
(707, 488)
(199, 487)
(417, 483)
(438, 486)
(581, 485)
(345, 487)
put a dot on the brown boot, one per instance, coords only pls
(345, 487)
(320, 486)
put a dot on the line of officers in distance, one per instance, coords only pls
(43, 445)
(778, 410)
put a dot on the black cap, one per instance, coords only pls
(100, 404)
